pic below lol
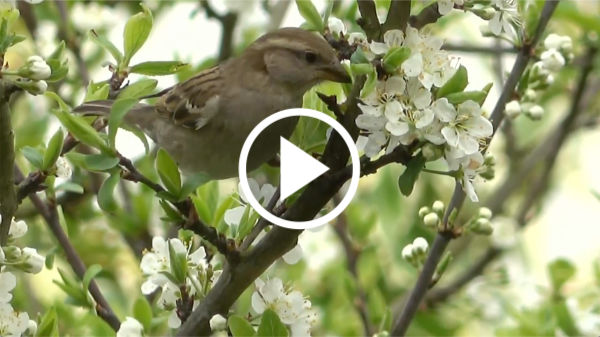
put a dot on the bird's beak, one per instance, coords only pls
(336, 72)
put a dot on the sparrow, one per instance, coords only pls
(203, 122)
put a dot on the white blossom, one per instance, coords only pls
(17, 229)
(446, 6)
(469, 165)
(465, 126)
(292, 308)
(12, 324)
(8, 282)
(217, 323)
(34, 262)
(558, 42)
(293, 256)
(130, 328)
(63, 168)
(336, 26)
(505, 17)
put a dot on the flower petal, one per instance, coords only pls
(451, 135)
(397, 128)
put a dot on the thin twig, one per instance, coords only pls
(262, 223)
(352, 253)
(65, 33)
(228, 22)
(443, 238)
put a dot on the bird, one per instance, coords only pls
(203, 122)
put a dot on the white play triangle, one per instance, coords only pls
(297, 168)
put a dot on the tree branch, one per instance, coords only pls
(398, 15)
(8, 196)
(352, 253)
(443, 238)
(48, 211)
(228, 22)
(429, 14)
(235, 279)
(369, 21)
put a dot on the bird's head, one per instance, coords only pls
(297, 58)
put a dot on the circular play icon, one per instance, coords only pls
(298, 168)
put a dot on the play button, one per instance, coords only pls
(297, 168)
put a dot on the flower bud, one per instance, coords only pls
(419, 246)
(35, 68)
(530, 95)
(431, 220)
(438, 206)
(431, 152)
(423, 211)
(552, 60)
(336, 26)
(485, 213)
(217, 323)
(513, 109)
(33, 261)
(482, 226)
(11, 253)
(33, 87)
(535, 112)
(17, 229)
(63, 168)
(407, 253)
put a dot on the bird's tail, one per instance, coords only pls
(140, 116)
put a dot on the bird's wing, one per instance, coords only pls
(194, 102)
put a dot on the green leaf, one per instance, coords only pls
(78, 126)
(361, 68)
(142, 311)
(107, 45)
(394, 58)
(70, 186)
(564, 318)
(560, 271)
(370, 84)
(310, 14)
(139, 89)
(158, 68)
(477, 96)
(90, 273)
(178, 264)
(59, 69)
(457, 83)
(407, 180)
(53, 151)
(172, 214)
(271, 325)
(106, 200)
(240, 327)
(96, 92)
(93, 162)
(136, 33)
(168, 172)
(117, 112)
(33, 155)
(58, 51)
(48, 326)
(192, 183)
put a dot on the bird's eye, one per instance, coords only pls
(310, 56)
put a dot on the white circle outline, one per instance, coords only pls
(302, 112)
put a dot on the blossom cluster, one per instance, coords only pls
(33, 75)
(403, 108)
(293, 309)
(179, 272)
(558, 50)
(14, 323)
(502, 15)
